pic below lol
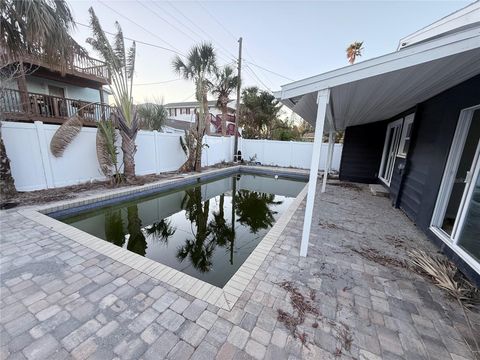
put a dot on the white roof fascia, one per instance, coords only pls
(414, 55)
(468, 15)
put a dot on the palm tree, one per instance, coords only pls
(28, 26)
(114, 228)
(354, 50)
(200, 249)
(136, 240)
(121, 65)
(199, 66)
(225, 82)
(153, 116)
(253, 209)
(161, 230)
(41, 27)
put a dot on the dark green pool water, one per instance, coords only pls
(207, 230)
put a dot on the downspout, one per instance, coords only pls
(406, 166)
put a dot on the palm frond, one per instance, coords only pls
(119, 46)
(106, 147)
(64, 135)
(152, 116)
(130, 65)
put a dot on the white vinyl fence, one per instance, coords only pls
(34, 167)
(288, 153)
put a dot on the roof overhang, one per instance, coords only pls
(382, 87)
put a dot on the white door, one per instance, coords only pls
(456, 218)
(390, 149)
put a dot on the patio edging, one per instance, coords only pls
(225, 297)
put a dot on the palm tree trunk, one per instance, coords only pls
(7, 184)
(224, 121)
(129, 149)
(206, 114)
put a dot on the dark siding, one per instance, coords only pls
(396, 177)
(437, 119)
(435, 124)
(362, 152)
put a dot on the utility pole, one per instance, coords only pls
(237, 109)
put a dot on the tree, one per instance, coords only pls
(354, 50)
(199, 66)
(253, 209)
(224, 83)
(39, 26)
(121, 65)
(152, 115)
(258, 113)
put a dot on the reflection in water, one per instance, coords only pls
(161, 230)
(253, 209)
(114, 230)
(207, 230)
(136, 240)
(200, 249)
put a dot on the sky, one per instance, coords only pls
(294, 39)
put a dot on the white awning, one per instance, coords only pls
(382, 87)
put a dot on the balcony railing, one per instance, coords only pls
(33, 106)
(77, 64)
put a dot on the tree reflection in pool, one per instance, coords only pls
(207, 230)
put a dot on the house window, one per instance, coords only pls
(188, 111)
(406, 136)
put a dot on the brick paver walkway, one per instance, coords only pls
(63, 300)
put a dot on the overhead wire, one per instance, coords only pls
(136, 40)
(140, 26)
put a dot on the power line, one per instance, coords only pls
(256, 76)
(140, 26)
(158, 82)
(233, 36)
(209, 36)
(217, 21)
(270, 71)
(136, 40)
(166, 21)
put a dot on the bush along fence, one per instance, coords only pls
(34, 167)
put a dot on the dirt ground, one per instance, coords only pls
(23, 198)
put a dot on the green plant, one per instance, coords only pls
(224, 83)
(121, 65)
(152, 116)
(107, 153)
(199, 65)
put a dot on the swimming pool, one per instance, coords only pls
(206, 230)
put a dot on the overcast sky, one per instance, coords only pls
(292, 38)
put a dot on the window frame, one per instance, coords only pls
(407, 120)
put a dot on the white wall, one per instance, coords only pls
(34, 167)
(287, 153)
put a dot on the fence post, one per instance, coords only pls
(44, 149)
(157, 158)
(292, 156)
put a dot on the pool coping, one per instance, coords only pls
(225, 297)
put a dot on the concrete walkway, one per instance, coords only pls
(61, 300)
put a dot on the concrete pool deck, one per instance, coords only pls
(62, 299)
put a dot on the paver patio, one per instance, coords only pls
(63, 300)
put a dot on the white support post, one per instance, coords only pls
(322, 101)
(328, 161)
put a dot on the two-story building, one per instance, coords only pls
(52, 93)
(181, 115)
